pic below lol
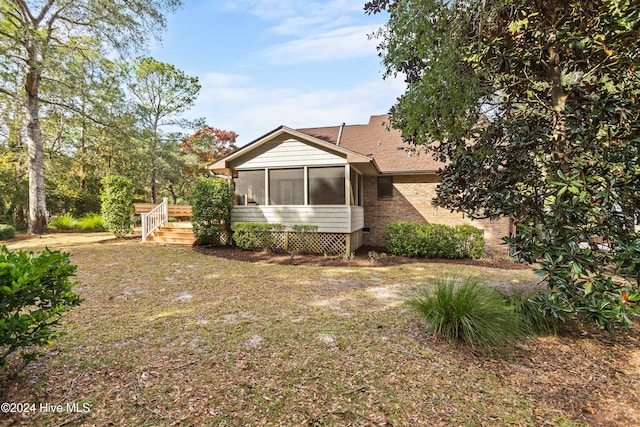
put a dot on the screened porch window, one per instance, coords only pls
(250, 188)
(286, 186)
(326, 186)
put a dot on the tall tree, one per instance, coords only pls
(76, 140)
(31, 29)
(161, 93)
(535, 107)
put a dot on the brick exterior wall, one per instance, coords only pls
(411, 201)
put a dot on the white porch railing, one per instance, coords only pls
(154, 219)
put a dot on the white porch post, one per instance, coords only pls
(347, 184)
(305, 182)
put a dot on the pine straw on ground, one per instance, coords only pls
(173, 336)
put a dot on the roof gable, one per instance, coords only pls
(281, 135)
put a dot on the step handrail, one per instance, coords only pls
(155, 218)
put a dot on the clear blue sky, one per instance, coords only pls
(266, 63)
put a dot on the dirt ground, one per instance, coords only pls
(206, 336)
(363, 257)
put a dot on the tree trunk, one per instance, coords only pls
(154, 192)
(37, 201)
(154, 161)
(558, 104)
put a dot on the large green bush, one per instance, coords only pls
(256, 235)
(212, 201)
(7, 232)
(34, 291)
(468, 311)
(433, 240)
(117, 205)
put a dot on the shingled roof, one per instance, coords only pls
(378, 140)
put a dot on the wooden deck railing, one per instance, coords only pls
(178, 211)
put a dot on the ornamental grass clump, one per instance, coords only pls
(63, 222)
(536, 321)
(90, 222)
(468, 311)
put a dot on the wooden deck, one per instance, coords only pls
(174, 233)
(171, 233)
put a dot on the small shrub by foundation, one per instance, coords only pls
(434, 240)
(256, 235)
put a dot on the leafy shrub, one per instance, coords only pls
(433, 240)
(117, 204)
(90, 222)
(468, 311)
(63, 222)
(212, 202)
(256, 235)
(7, 232)
(34, 291)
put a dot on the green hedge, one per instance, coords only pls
(7, 232)
(433, 240)
(256, 235)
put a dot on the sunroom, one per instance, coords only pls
(290, 178)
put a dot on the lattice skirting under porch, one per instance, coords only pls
(319, 243)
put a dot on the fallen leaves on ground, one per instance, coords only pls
(173, 336)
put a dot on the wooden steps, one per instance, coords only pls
(174, 233)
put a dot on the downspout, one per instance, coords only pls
(340, 134)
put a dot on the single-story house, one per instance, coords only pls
(350, 180)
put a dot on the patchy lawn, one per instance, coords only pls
(174, 336)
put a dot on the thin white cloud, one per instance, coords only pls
(314, 30)
(343, 43)
(253, 111)
(280, 9)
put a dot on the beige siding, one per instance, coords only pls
(287, 153)
(357, 218)
(329, 219)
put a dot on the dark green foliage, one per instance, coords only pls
(212, 201)
(34, 291)
(468, 311)
(256, 235)
(117, 205)
(7, 232)
(534, 107)
(433, 240)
